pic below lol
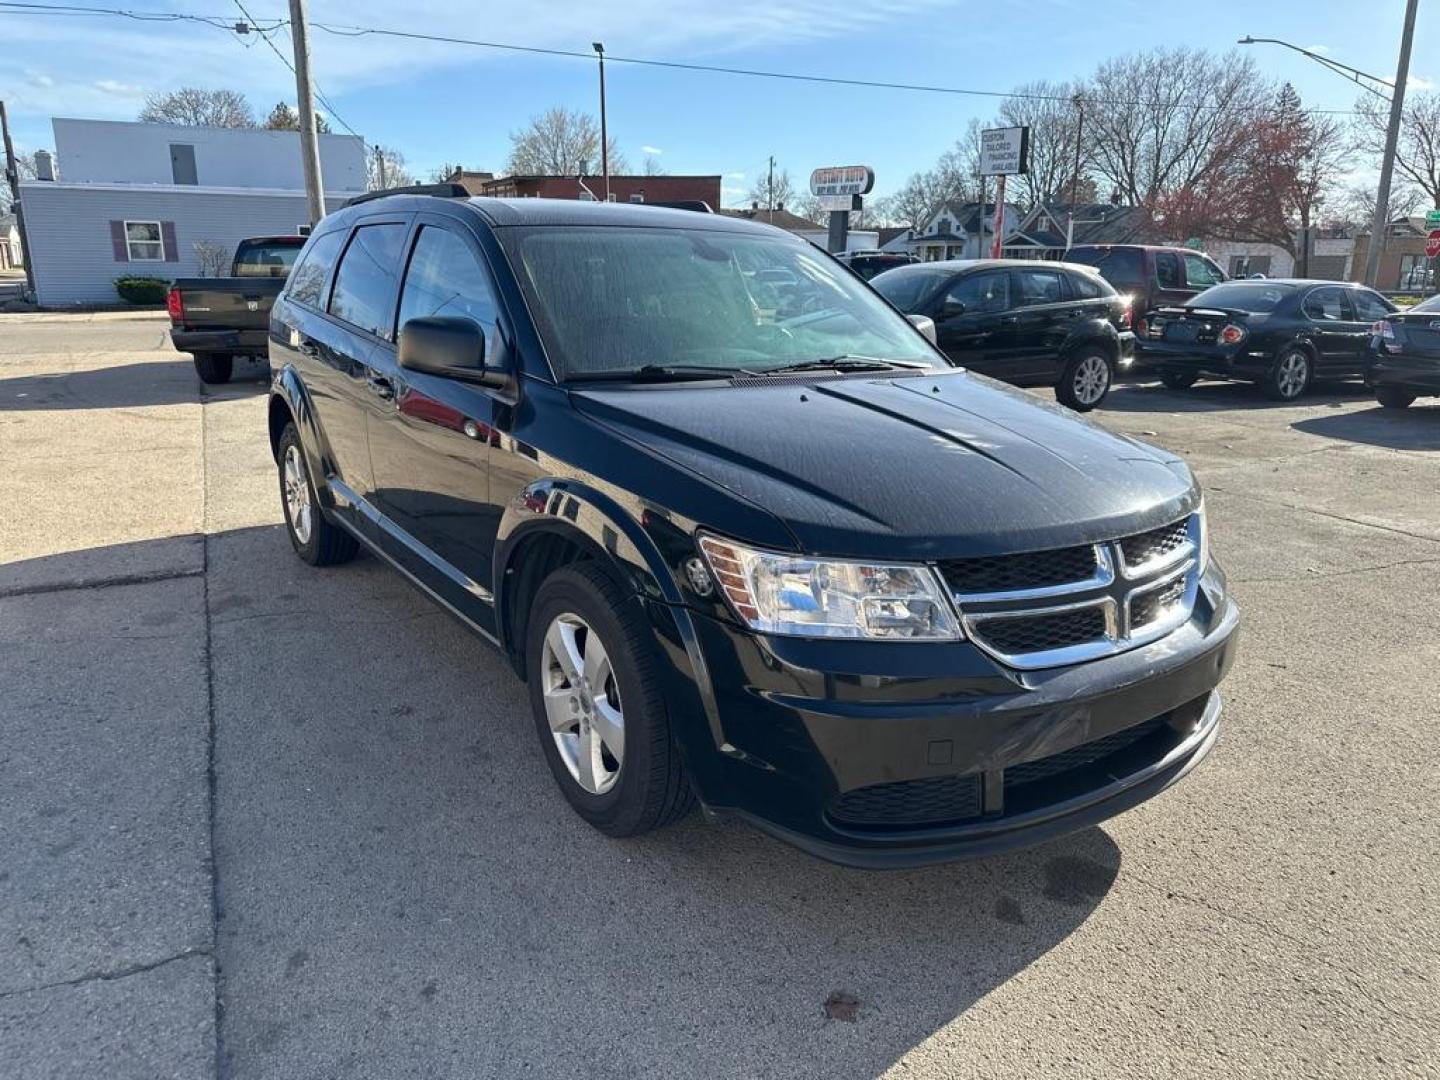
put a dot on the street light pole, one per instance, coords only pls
(604, 135)
(1392, 136)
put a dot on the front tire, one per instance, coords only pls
(599, 707)
(1394, 397)
(1178, 380)
(1085, 380)
(214, 368)
(1289, 377)
(314, 537)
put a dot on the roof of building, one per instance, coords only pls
(524, 211)
(780, 218)
(1095, 223)
(471, 180)
(886, 233)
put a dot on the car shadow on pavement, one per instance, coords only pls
(1215, 396)
(402, 890)
(152, 382)
(1415, 428)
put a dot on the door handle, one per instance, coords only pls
(1009, 320)
(380, 386)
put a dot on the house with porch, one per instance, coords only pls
(1046, 231)
(961, 230)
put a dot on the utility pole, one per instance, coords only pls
(380, 168)
(309, 142)
(1392, 136)
(770, 192)
(1079, 102)
(599, 48)
(12, 175)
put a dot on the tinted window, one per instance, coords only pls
(910, 289)
(1038, 287)
(613, 299)
(1201, 273)
(445, 278)
(265, 259)
(1369, 307)
(1327, 305)
(1167, 270)
(1088, 287)
(981, 292)
(1121, 265)
(1243, 296)
(307, 283)
(364, 294)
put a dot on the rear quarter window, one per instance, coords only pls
(307, 280)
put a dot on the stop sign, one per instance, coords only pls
(1432, 244)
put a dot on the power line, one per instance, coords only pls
(353, 31)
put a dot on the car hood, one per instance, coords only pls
(925, 466)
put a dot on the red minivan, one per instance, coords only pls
(1153, 276)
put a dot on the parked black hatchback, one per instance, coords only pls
(783, 560)
(1026, 322)
(1280, 333)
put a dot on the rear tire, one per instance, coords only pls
(1179, 380)
(214, 368)
(1394, 397)
(583, 698)
(1289, 377)
(1085, 380)
(315, 538)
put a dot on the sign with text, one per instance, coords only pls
(1432, 244)
(1432, 219)
(1004, 151)
(843, 204)
(842, 180)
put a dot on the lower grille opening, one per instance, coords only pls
(937, 800)
(1079, 756)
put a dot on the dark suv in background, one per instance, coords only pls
(789, 562)
(1029, 323)
(1151, 276)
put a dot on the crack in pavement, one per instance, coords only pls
(1325, 514)
(1321, 575)
(106, 976)
(143, 578)
(219, 1060)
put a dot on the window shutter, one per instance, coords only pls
(117, 241)
(167, 238)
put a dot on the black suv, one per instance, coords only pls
(1027, 322)
(790, 563)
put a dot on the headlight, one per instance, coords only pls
(789, 594)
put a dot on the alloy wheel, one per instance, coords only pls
(582, 703)
(297, 494)
(1092, 378)
(1292, 374)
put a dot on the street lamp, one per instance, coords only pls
(1363, 79)
(604, 141)
(1392, 133)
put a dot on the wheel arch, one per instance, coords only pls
(1087, 336)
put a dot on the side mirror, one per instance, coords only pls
(453, 348)
(925, 325)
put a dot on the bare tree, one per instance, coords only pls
(774, 191)
(446, 173)
(284, 118)
(214, 258)
(1356, 206)
(385, 168)
(560, 142)
(652, 166)
(193, 106)
(1417, 153)
(1166, 121)
(1052, 113)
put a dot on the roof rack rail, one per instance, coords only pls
(700, 206)
(444, 191)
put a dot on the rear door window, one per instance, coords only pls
(1201, 273)
(1327, 305)
(366, 282)
(1038, 287)
(1167, 270)
(307, 283)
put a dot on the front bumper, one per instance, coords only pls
(806, 731)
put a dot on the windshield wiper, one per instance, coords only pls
(848, 362)
(662, 373)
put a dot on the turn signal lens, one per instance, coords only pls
(175, 306)
(1232, 334)
(776, 593)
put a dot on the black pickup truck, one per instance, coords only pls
(217, 319)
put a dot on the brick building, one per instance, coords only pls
(622, 188)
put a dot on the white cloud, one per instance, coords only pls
(119, 89)
(1322, 49)
(734, 176)
(40, 79)
(1420, 82)
(651, 150)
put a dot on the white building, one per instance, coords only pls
(135, 199)
(9, 243)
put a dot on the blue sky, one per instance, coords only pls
(451, 103)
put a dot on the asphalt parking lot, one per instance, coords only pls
(259, 820)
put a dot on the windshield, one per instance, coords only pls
(908, 288)
(1242, 296)
(265, 259)
(609, 301)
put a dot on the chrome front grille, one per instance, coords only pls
(1050, 608)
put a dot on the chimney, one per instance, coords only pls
(1115, 197)
(44, 165)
